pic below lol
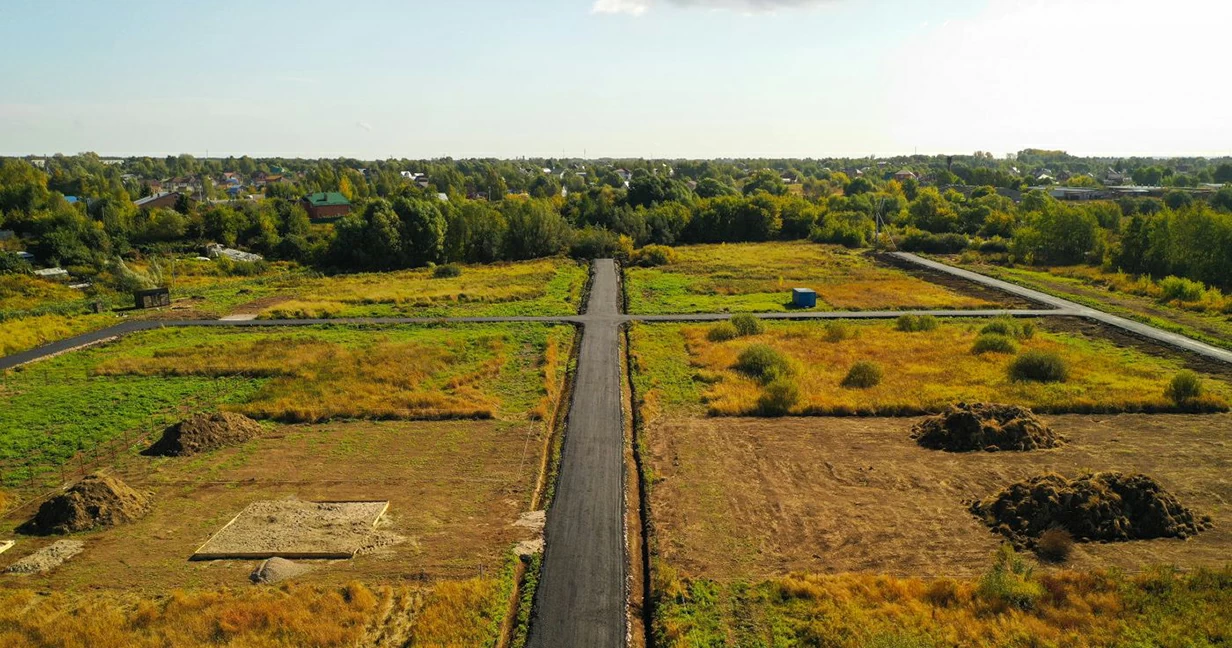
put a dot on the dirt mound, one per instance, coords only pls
(985, 426)
(205, 432)
(1107, 507)
(97, 500)
(47, 558)
(276, 570)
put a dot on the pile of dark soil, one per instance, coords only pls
(967, 427)
(203, 433)
(97, 500)
(1105, 507)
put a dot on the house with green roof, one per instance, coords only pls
(326, 206)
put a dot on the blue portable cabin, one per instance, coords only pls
(803, 298)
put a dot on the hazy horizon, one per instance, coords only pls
(668, 79)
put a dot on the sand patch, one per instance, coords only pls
(47, 558)
(294, 529)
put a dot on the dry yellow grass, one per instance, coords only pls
(753, 277)
(927, 370)
(314, 380)
(20, 292)
(542, 287)
(444, 614)
(1072, 610)
(20, 334)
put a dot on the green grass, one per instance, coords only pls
(1078, 610)
(142, 383)
(758, 277)
(1212, 328)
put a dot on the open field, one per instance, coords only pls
(455, 490)
(542, 287)
(35, 311)
(445, 613)
(758, 277)
(1072, 610)
(740, 498)
(681, 368)
(141, 383)
(1208, 319)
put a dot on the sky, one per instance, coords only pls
(375, 79)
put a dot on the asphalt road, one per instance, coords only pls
(581, 596)
(1067, 307)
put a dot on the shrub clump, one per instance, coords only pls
(1009, 328)
(1185, 388)
(1181, 289)
(1055, 545)
(778, 397)
(994, 343)
(762, 362)
(97, 500)
(839, 331)
(722, 332)
(1101, 507)
(747, 325)
(653, 256)
(985, 426)
(915, 323)
(863, 375)
(1039, 366)
(447, 271)
(1009, 583)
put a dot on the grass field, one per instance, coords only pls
(758, 277)
(441, 614)
(1071, 610)
(679, 367)
(143, 382)
(542, 287)
(1137, 298)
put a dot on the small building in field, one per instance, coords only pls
(905, 175)
(52, 274)
(326, 206)
(155, 298)
(803, 298)
(167, 200)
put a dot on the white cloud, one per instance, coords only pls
(364, 125)
(639, 7)
(631, 7)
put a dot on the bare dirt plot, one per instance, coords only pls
(455, 489)
(749, 498)
(295, 529)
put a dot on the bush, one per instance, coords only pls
(1004, 327)
(1179, 289)
(993, 343)
(763, 363)
(778, 398)
(921, 241)
(722, 332)
(1039, 366)
(1055, 545)
(1009, 583)
(839, 331)
(654, 255)
(1185, 387)
(447, 271)
(862, 375)
(994, 246)
(11, 263)
(915, 323)
(747, 325)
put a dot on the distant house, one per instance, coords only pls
(326, 206)
(905, 175)
(158, 200)
(53, 274)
